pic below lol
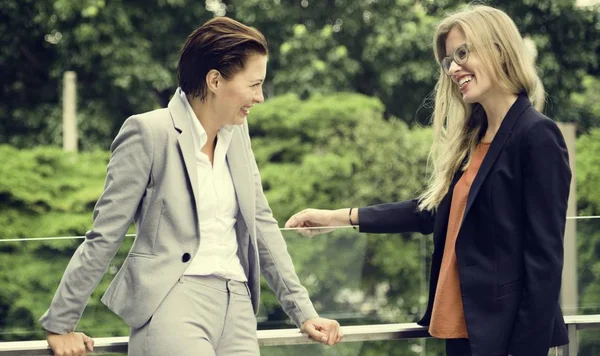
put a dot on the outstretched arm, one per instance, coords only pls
(128, 174)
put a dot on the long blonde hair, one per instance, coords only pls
(458, 126)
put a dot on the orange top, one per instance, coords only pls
(447, 316)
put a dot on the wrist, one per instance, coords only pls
(350, 220)
(345, 217)
(339, 217)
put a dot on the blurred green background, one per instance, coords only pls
(345, 124)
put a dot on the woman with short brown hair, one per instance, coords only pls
(187, 176)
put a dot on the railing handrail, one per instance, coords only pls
(282, 337)
(52, 238)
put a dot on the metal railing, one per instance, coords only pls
(294, 337)
(284, 337)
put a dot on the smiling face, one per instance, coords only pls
(234, 97)
(473, 80)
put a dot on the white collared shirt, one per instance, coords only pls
(217, 206)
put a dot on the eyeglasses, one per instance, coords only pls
(459, 56)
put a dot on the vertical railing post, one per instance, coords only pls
(569, 295)
(573, 346)
(69, 124)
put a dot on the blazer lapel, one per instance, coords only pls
(243, 181)
(181, 122)
(496, 147)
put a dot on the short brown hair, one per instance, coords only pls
(222, 44)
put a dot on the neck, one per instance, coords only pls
(496, 107)
(207, 117)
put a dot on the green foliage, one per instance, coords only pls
(387, 44)
(333, 151)
(314, 62)
(586, 105)
(46, 192)
(568, 41)
(307, 148)
(125, 56)
(588, 175)
(588, 231)
(391, 40)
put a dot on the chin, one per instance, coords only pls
(469, 98)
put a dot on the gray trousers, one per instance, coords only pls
(201, 316)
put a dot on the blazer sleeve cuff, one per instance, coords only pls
(303, 314)
(54, 326)
(367, 220)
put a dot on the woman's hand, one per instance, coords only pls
(71, 344)
(317, 221)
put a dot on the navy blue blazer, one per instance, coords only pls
(510, 244)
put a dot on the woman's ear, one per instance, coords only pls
(502, 58)
(500, 52)
(213, 77)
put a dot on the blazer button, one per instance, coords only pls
(186, 257)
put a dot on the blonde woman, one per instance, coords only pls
(496, 201)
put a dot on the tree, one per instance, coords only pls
(125, 56)
(586, 106)
(391, 42)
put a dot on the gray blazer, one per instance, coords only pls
(152, 179)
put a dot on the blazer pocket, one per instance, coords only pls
(510, 288)
(141, 255)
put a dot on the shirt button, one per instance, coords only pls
(186, 257)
